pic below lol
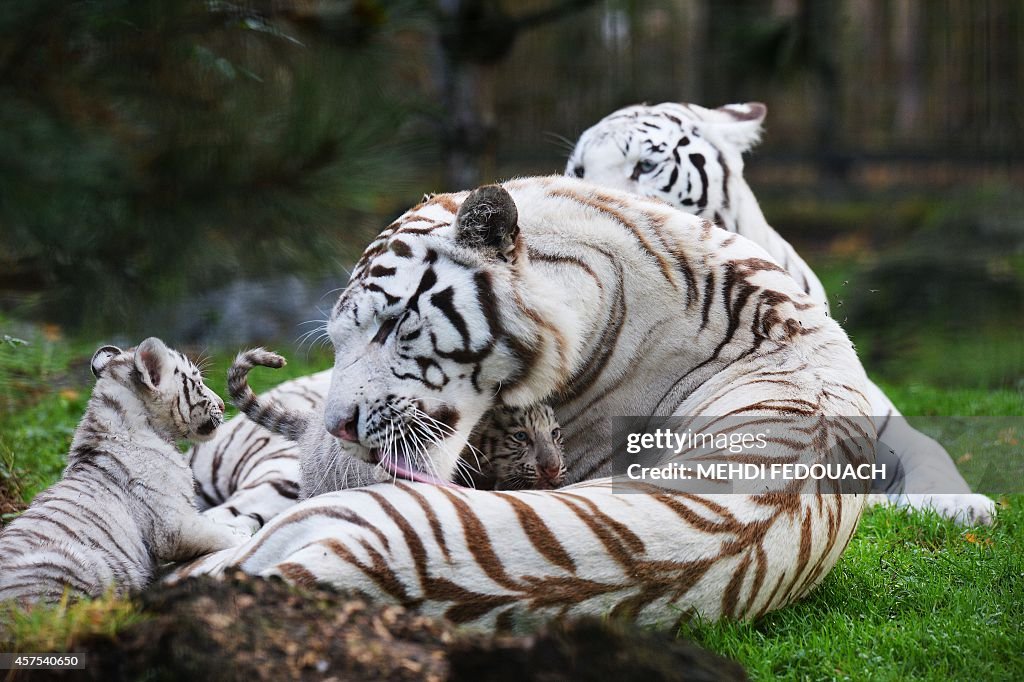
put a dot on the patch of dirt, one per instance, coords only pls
(589, 649)
(253, 629)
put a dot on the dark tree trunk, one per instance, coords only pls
(820, 28)
(474, 36)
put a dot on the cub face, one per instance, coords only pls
(169, 385)
(524, 448)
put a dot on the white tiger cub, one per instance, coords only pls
(692, 157)
(124, 502)
(511, 448)
(605, 304)
(517, 448)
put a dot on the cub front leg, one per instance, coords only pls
(195, 535)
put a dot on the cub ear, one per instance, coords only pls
(101, 358)
(153, 361)
(488, 219)
(740, 124)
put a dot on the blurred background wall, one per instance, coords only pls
(207, 170)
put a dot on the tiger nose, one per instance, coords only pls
(219, 403)
(550, 470)
(344, 424)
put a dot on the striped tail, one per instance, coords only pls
(270, 416)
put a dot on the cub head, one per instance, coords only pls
(522, 448)
(683, 154)
(426, 333)
(168, 385)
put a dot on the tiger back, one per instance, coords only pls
(692, 158)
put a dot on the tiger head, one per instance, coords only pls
(423, 337)
(522, 448)
(680, 153)
(167, 386)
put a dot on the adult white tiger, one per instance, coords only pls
(605, 304)
(685, 154)
(692, 157)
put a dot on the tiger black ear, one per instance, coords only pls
(101, 358)
(488, 220)
(740, 124)
(153, 361)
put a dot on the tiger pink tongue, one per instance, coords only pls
(400, 466)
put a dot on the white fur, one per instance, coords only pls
(124, 504)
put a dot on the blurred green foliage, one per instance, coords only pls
(961, 267)
(152, 147)
(929, 287)
(946, 298)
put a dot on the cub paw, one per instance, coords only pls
(240, 535)
(240, 523)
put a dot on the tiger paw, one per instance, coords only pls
(968, 509)
(244, 524)
(222, 537)
(241, 535)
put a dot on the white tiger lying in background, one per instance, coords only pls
(512, 447)
(605, 304)
(692, 157)
(124, 502)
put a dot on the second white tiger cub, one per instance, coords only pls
(124, 504)
(517, 448)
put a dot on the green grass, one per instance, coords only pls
(55, 628)
(44, 387)
(914, 597)
(922, 399)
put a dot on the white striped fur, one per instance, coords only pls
(247, 470)
(692, 157)
(604, 304)
(124, 503)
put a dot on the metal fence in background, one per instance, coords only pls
(880, 90)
